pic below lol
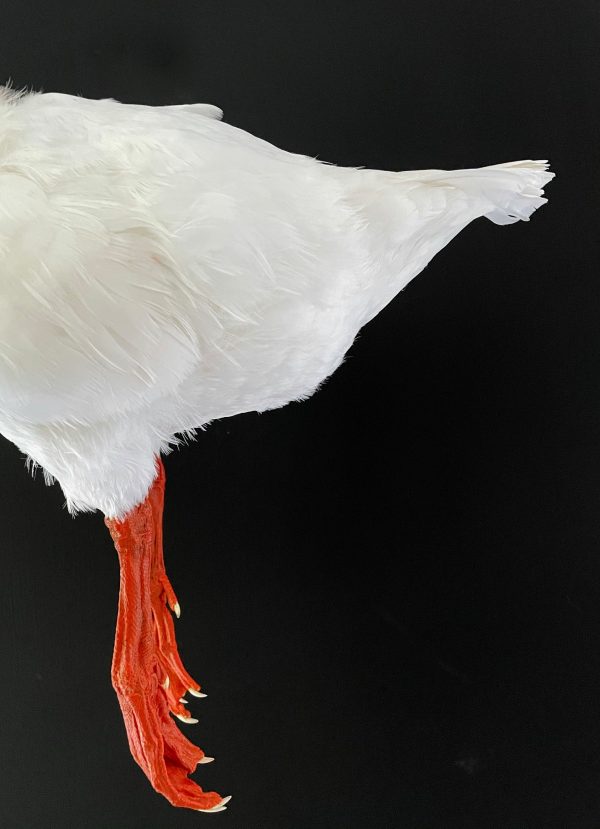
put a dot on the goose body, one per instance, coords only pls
(161, 269)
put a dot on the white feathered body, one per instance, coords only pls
(161, 269)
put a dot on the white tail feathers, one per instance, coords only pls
(507, 192)
(518, 190)
(515, 189)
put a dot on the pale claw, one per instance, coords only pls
(198, 694)
(206, 759)
(189, 720)
(220, 807)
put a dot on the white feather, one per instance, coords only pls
(161, 269)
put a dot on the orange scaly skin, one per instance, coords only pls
(147, 673)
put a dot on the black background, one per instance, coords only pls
(391, 592)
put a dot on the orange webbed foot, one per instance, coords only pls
(147, 672)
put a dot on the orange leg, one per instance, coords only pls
(147, 673)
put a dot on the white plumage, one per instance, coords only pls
(161, 269)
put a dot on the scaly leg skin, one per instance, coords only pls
(147, 673)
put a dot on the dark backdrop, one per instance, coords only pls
(391, 592)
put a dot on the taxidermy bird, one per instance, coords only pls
(161, 269)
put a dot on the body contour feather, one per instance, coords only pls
(161, 269)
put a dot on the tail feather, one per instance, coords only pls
(514, 190)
